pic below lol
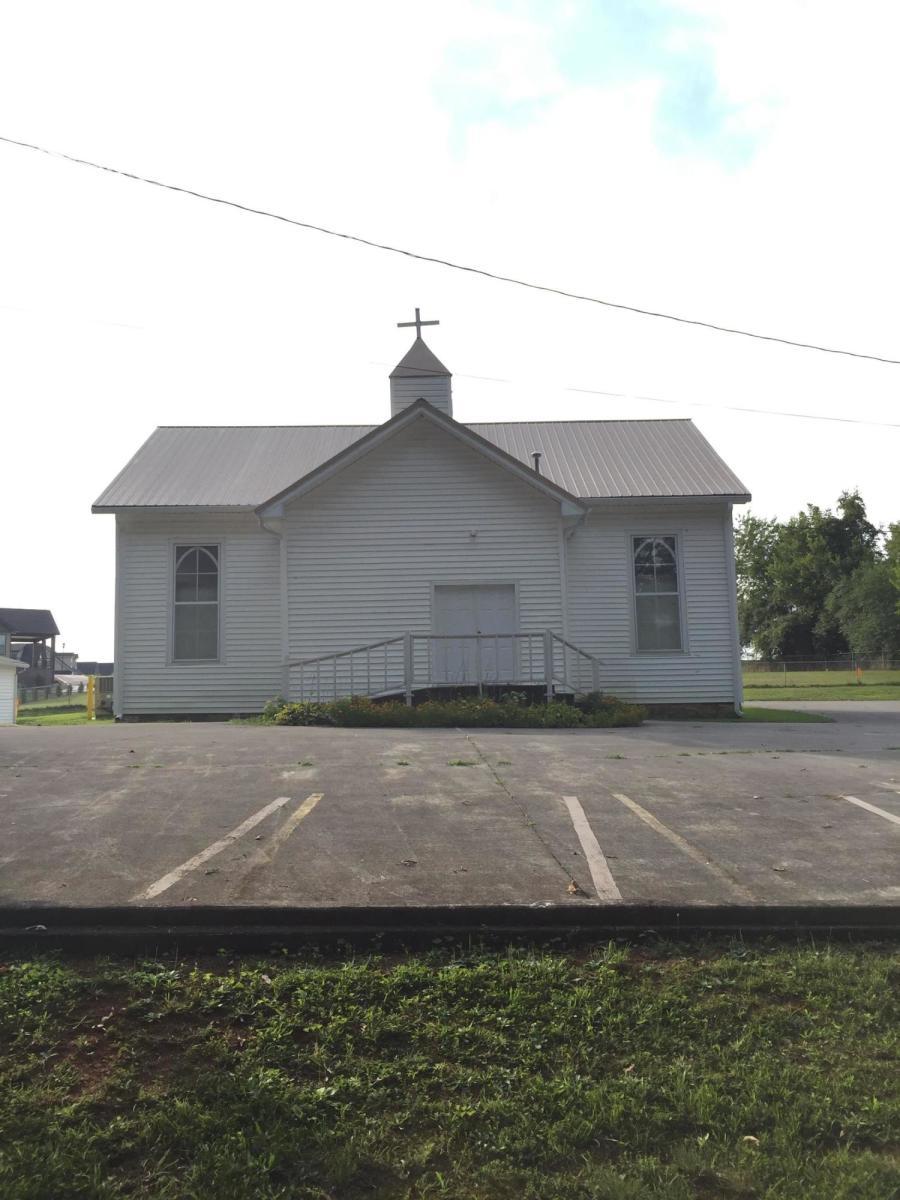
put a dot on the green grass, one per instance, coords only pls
(62, 716)
(781, 715)
(821, 685)
(745, 1071)
(777, 679)
(820, 692)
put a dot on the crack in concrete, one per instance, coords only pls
(530, 823)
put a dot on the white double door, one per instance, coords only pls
(464, 610)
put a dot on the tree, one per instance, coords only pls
(892, 553)
(786, 572)
(866, 610)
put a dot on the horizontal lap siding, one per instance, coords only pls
(250, 671)
(364, 548)
(600, 595)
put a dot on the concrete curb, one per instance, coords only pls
(136, 928)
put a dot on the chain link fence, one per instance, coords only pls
(849, 662)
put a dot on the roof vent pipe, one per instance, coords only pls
(536, 455)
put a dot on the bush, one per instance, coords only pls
(304, 713)
(592, 712)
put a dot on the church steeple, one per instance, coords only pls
(420, 375)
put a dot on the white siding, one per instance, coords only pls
(600, 597)
(435, 389)
(250, 671)
(365, 548)
(7, 694)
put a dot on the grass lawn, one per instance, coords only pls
(688, 1072)
(821, 685)
(780, 715)
(59, 715)
(838, 691)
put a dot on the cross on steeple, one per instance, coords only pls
(418, 322)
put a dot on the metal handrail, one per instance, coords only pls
(308, 662)
(392, 675)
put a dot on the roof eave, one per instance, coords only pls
(656, 498)
(105, 509)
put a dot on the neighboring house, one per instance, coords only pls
(9, 666)
(90, 667)
(243, 550)
(33, 641)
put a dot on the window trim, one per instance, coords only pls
(194, 541)
(666, 532)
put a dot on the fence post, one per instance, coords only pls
(91, 698)
(408, 668)
(595, 673)
(478, 667)
(548, 663)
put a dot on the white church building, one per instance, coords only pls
(317, 561)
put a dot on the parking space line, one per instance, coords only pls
(891, 787)
(873, 808)
(163, 884)
(686, 848)
(284, 831)
(601, 875)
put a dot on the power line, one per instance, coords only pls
(455, 266)
(760, 412)
(764, 412)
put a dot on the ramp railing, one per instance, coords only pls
(413, 662)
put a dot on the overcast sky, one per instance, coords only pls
(734, 162)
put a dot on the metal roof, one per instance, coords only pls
(418, 362)
(29, 622)
(243, 466)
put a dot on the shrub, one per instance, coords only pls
(592, 712)
(602, 711)
(304, 713)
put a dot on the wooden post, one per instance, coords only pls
(408, 668)
(548, 663)
(91, 697)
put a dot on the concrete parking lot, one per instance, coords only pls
(676, 813)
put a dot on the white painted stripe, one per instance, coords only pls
(685, 847)
(163, 884)
(873, 808)
(891, 787)
(284, 831)
(596, 859)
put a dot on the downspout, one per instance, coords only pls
(731, 572)
(564, 535)
(278, 533)
(563, 578)
(118, 657)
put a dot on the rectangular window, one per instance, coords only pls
(196, 632)
(657, 603)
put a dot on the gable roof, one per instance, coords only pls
(29, 622)
(419, 410)
(243, 466)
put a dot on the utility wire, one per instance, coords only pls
(455, 266)
(764, 412)
(760, 412)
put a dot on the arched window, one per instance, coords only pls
(657, 603)
(196, 632)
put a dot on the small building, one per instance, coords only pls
(330, 560)
(9, 668)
